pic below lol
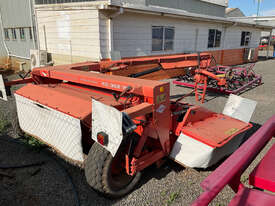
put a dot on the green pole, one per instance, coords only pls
(258, 9)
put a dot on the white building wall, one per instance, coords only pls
(71, 32)
(135, 39)
(203, 33)
(233, 37)
(255, 39)
(85, 35)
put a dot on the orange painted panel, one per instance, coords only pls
(230, 57)
(215, 130)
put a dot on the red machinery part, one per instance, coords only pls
(229, 173)
(59, 100)
(102, 138)
(223, 83)
(263, 176)
(201, 77)
(153, 68)
(62, 96)
(151, 98)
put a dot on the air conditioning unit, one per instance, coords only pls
(38, 58)
(249, 54)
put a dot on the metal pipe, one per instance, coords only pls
(111, 45)
(31, 16)
(45, 37)
(145, 72)
(110, 22)
(71, 51)
(268, 48)
(196, 40)
(258, 78)
(3, 34)
(21, 57)
(37, 30)
(258, 7)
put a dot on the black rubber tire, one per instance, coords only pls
(97, 170)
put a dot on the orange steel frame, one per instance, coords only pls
(175, 65)
(201, 77)
(149, 97)
(149, 106)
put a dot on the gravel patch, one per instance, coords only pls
(169, 185)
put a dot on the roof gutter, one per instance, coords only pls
(161, 12)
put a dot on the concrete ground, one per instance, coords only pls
(171, 184)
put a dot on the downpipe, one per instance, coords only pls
(3, 34)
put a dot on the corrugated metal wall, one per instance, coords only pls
(16, 14)
(194, 6)
(59, 1)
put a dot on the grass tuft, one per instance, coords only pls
(173, 196)
(29, 140)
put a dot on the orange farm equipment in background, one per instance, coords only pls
(219, 79)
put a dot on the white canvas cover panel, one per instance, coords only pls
(195, 154)
(3, 94)
(107, 119)
(60, 131)
(239, 108)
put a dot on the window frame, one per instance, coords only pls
(216, 43)
(13, 34)
(22, 33)
(245, 34)
(7, 34)
(164, 40)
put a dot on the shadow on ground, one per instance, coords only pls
(49, 179)
(264, 58)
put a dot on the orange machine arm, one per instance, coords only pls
(201, 77)
(205, 73)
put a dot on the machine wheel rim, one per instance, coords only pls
(118, 178)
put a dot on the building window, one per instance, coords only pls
(7, 35)
(13, 32)
(246, 37)
(30, 33)
(22, 33)
(163, 38)
(214, 38)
